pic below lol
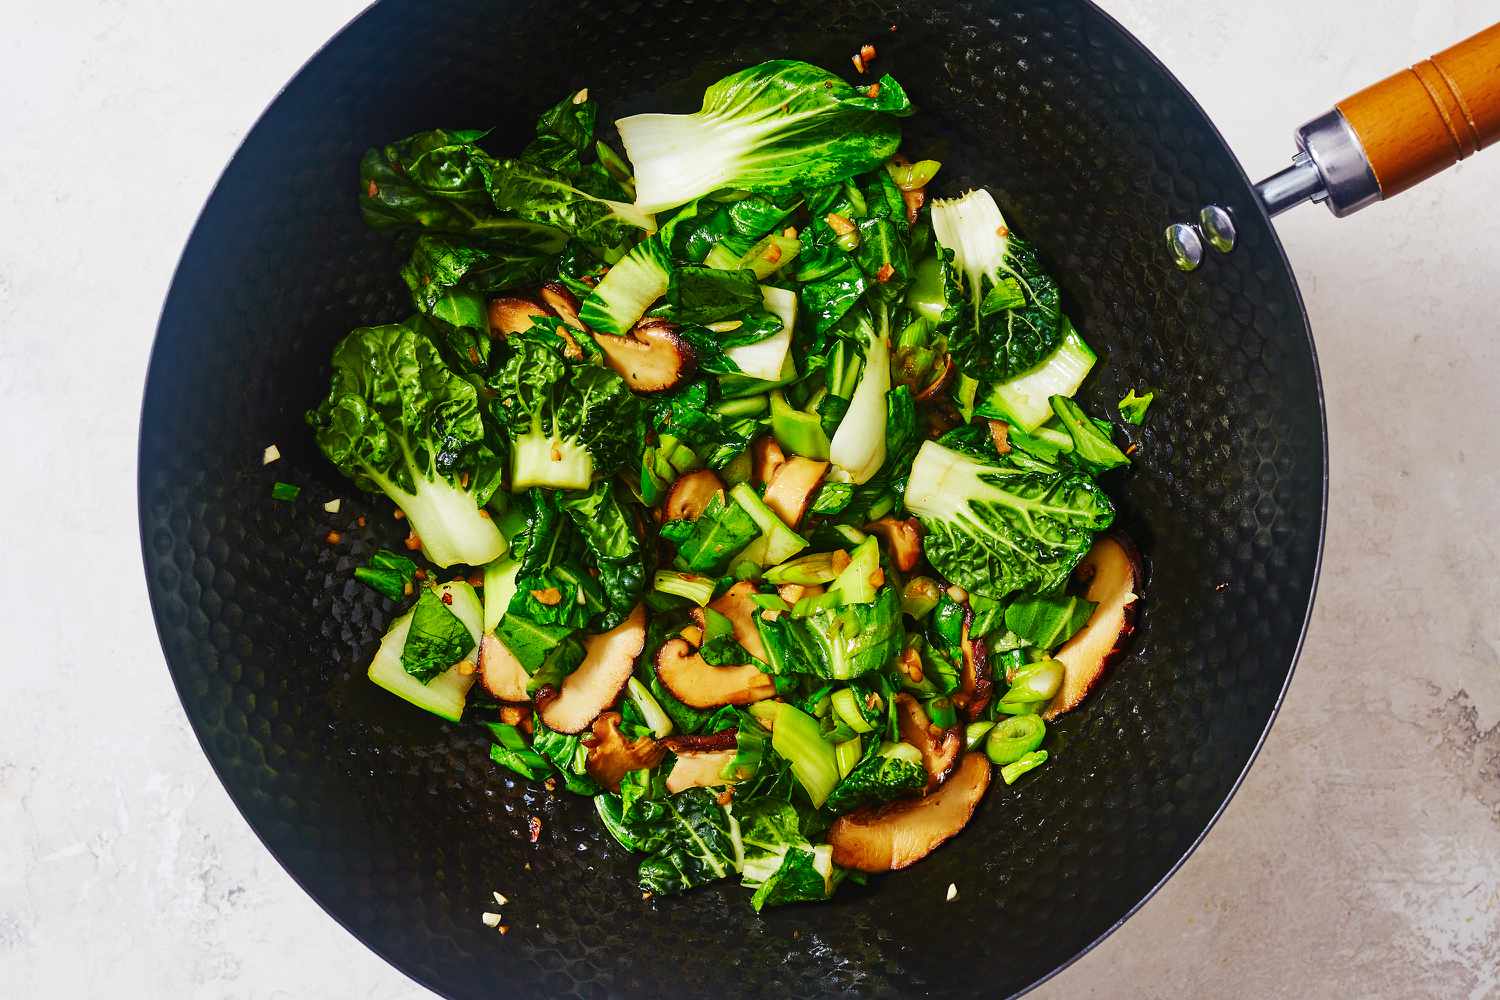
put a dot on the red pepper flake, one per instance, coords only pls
(360, 521)
(475, 580)
(503, 928)
(884, 274)
(420, 574)
(859, 64)
(550, 784)
(463, 477)
(447, 597)
(867, 53)
(372, 190)
(1002, 231)
(399, 514)
(1131, 448)
(534, 828)
(872, 91)
(333, 538)
(773, 254)
(412, 543)
(726, 796)
(473, 356)
(484, 513)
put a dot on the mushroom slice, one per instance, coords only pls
(738, 605)
(690, 495)
(934, 389)
(903, 832)
(724, 739)
(611, 755)
(903, 537)
(976, 683)
(500, 672)
(766, 457)
(700, 685)
(513, 314)
(789, 492)
(652, 359)
(940, 747)
(699, 769)
(1114, 585)
(607, 662)
(564, 304)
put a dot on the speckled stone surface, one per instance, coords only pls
(1359, 858)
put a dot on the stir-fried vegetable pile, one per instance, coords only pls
(761, 468)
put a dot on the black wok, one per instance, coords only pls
(399, 826)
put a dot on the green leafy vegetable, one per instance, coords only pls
(698, 843)
(387, 573)
(893, 770)
(400, 421)
(1092, 447)
(766, 127)
(995, 529)
(285, 491)
(1009, 317)
(437, 639)
(1133, 407)
(565, 423)
(1047, 622)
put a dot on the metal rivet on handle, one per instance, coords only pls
(1186, 245)
(1218, 225)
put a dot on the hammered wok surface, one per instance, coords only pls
(398, 824)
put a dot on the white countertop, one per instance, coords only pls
(1359, 858)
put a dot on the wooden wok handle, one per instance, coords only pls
(1423, 120)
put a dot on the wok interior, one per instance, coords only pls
(400, 826)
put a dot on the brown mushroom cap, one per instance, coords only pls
(902, 537)
(790, 490)
(940, 747)
(901, 833)
(607, 663)
(690, 494)
(514, 314)
(738, 605)
(1114, 585)
(698, 684)
(611, 755)
(500, 672)
(699, 769)
(766, 457)
(652, 359)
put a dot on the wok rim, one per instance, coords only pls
(1281, 258)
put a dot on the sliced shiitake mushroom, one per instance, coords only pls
(903, 537)
(608, 660)
(940, 747)
(699, 769)
(934, 389)
(698, 684)
(1115, 577)
(514, 314)
(500, 672)
(564, 305)
(653, 358)
(791, 488)
(690, 494)
(611, 755)
(738, 605)
(766, 457)
(903, 832)
(976, 684)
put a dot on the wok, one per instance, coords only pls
(397, 823)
